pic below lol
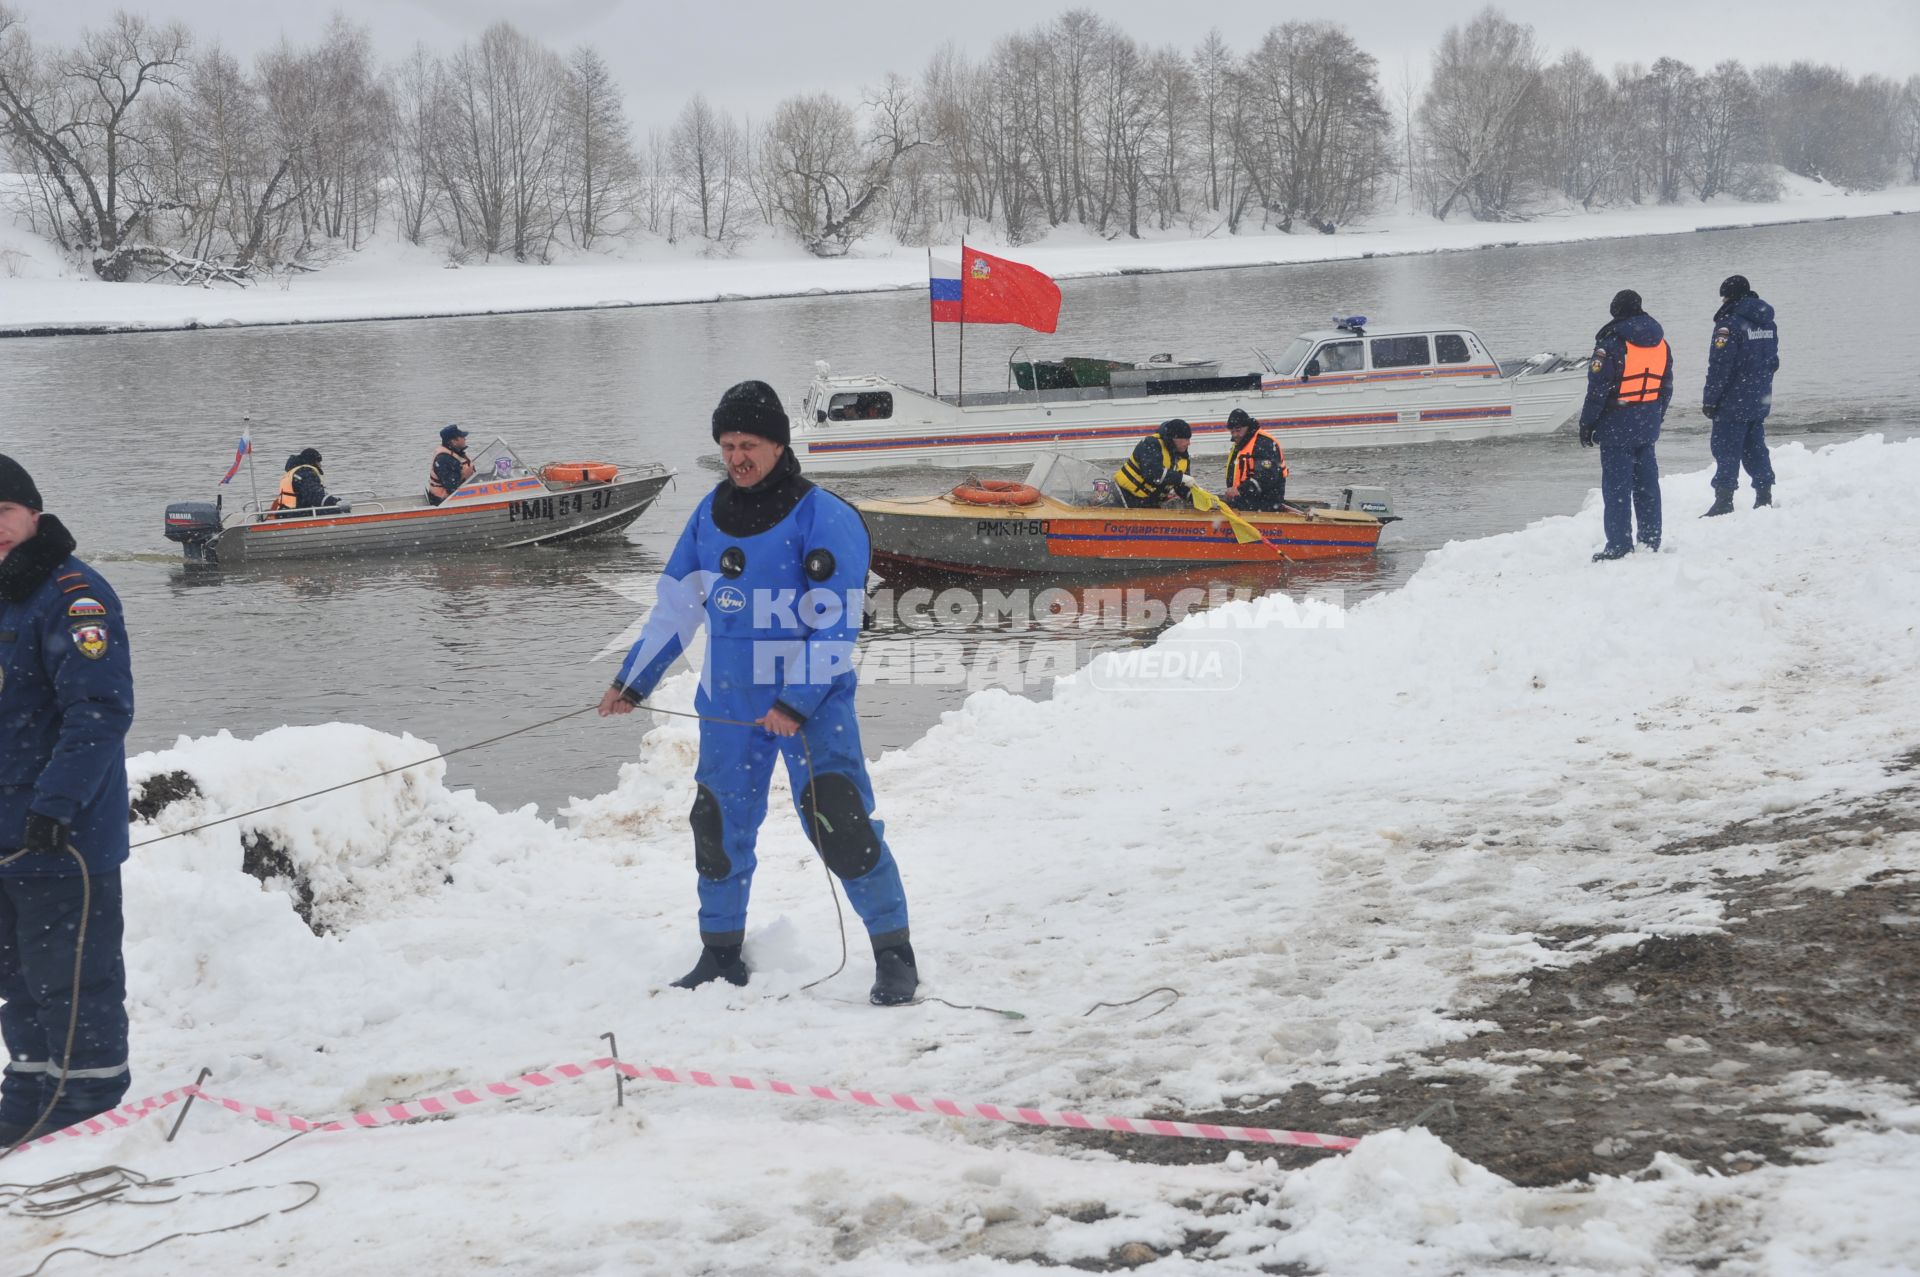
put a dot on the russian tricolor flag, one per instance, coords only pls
(239, 455)
(943, 288)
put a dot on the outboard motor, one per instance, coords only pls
(1373, 501)
(195, 525)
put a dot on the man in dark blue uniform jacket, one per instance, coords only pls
(776, 570)
(66, 702)
(1629, 384)
(1739, 392)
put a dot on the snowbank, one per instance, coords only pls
(40, 292)
(1330, 864)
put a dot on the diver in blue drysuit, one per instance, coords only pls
(776, 569)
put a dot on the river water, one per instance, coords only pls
(459, 648)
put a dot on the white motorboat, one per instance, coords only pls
(1340, 387)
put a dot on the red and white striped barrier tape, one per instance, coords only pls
(454, 1101)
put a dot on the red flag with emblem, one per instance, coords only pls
(994, 290)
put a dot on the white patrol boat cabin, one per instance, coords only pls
(1340, 387)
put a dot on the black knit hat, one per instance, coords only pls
(1625, 302)
(752, 408)
(304, 457)
(1241, 419)
(16, 485)
(1175, 429)
(1734, 287)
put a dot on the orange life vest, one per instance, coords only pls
(1644, 373)
(1240, 460)
(287, 500)
(434, 489)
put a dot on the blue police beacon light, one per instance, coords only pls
(1352, 323)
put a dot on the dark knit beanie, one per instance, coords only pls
(1734, 287)
(16, 485)
(1625, 302)
(1175, 429)
(305, 457)
(752, 408)
(1241, 419)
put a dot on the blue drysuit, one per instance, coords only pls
(1629, 384)
(66, 702)
(778, 575)
(1739, 390)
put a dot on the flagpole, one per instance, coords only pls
(960, 399)
(252, 477)
(933, 344)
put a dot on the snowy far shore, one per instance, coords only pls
(1411, 823)
(42, 294)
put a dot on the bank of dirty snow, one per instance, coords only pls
(386, 279)
(1324, 864)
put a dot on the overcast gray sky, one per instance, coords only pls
(748, 54)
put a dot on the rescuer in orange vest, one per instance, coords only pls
(303, 486)
(451, 467)
(1629, 384)
(1256, 467)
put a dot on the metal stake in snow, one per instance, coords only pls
(619, 1075)
(192, 1093)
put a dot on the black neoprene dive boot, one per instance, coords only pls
(717, 962)
(1722, 503)
(895, 975)
(1762, 496)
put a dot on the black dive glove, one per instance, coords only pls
(44, 833)
(1586, 435)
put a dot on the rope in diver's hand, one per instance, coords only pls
(348, 784)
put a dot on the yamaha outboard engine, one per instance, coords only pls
(195, 525)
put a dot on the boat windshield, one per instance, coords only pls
(1289, 361)
(1071, 481)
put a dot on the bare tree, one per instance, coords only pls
(501, 152)
(1174, 99)
(1484, 76)
(1908, 131)
(1724, 134)
(1824, 124)
(710, 161)
(1212, 72)
(1576, 132)
(1320, 128)
(603, 175)
(71, 122)
(416, 106)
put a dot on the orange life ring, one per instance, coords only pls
(996, 492)
(579, 472)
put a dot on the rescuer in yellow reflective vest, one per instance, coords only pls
(1256, 467)
(1157, 470)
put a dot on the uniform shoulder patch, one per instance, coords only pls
(82, 609)
(91, 640)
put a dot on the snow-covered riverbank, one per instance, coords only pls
(41, 294)
(1400, 809)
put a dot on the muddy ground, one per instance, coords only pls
(1682, 1045)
